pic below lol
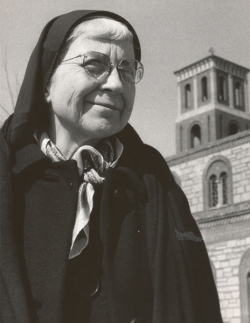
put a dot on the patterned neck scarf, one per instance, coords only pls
(92, 164)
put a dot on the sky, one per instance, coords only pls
(172, 33)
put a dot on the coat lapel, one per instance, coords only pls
(49, 193)
(14, 307)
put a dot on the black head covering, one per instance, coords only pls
(30, 111)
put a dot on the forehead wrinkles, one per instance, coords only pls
(120, 50)
(83, 44)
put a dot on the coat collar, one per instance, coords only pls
(143, 159)
(27, 156)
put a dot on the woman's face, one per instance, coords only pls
(84, 106)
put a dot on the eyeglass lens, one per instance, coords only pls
(97, 65)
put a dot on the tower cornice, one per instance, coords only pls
(209, 62)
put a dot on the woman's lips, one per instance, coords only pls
(106, 105)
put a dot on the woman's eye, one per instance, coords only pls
(128, 71)
(92, 62)
(128, 67)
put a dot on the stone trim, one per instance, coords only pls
(211, 148)
(229, 220)
(233, 209)
(221, 216)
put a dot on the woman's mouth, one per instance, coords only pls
(106, 105)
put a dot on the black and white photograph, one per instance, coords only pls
(125, 161)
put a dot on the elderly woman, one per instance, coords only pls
(92, 221)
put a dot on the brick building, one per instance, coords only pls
(212, 165)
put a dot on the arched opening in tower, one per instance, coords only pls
(233, 128)
(204, 96)
(187, 96)
(195, 136)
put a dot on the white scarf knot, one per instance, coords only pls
(92, 164)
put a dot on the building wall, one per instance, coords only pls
(191, 175)
(226, 252)
(226, 230)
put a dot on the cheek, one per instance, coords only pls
(64, 101)
(69, 90)
(129, 103)
(129, 98)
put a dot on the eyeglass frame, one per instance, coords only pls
(111, 66)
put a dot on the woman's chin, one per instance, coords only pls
(100, 130)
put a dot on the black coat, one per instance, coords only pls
(148, 271)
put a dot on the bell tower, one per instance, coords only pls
(212, 102)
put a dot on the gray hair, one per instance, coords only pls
(101, 27)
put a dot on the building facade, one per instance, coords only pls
(212, 166)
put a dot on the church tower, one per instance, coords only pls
(212, 102)
(212, 166)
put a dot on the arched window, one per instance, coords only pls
(238, 94)
(187, 96)
(218, 192)
(224, 189)
(222, 88)
(213, 191)
(218, 183)
(195, 136)
(233, 128)
(204, 95)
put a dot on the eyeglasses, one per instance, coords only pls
(98, 65)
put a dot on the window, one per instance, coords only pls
(222, 88)
(218, 190)
(223, 184)
(233, 128)
(213, 191)
(195, 136)
(217, 183)
(187, 96)
(238, 94)
(204, 95)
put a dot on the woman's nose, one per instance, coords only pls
(113, 82)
